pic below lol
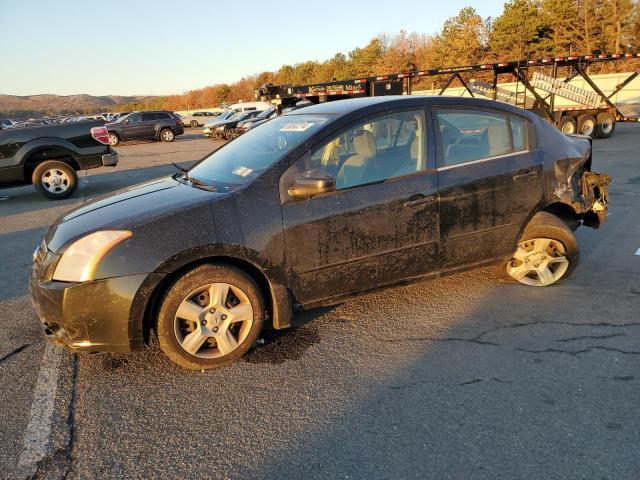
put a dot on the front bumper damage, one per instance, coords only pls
(94, 316)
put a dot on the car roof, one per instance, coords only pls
(344, 107)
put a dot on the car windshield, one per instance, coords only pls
(226, 114)
(121, 118)
(248, 156)
(266, 113)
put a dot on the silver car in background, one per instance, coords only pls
(198, 119)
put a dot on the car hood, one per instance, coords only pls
(220, 123)
(126, 209)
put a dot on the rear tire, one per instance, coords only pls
(221, 309)
(114, 139)
(55, 179)
(194, 124)
(587, 125)
(167, 135)
(606, 125)
(568, 125)
(553, 263)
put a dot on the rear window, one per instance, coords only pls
(519, 133)
(473, 134)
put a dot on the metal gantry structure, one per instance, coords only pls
(594, 109)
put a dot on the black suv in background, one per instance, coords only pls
(156, 125)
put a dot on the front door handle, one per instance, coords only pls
(525, 174)
(420, 200)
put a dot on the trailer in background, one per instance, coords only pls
(539, 87)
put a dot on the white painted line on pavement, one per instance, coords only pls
(37, 434)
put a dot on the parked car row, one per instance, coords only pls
(234, 122)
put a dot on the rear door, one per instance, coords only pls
(381, 223)
(490, 180)
(148, 124)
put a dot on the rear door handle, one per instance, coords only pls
(420, 200)
(523, 175)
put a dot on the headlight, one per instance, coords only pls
(79, 261)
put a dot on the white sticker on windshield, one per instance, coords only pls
(296, 127)
(243, 171)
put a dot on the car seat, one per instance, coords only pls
(353, 170)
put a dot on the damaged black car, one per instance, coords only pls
(311, 208)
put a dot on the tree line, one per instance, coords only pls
(525, 28)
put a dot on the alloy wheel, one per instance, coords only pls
(55, 180)
(212, 321)
(538, 262)
(167, 135)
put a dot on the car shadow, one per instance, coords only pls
(278, 346)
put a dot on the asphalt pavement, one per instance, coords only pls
(461, 377)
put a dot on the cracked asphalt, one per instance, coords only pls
(461, 377)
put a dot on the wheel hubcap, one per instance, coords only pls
(538, 262)
(55, 180)
(213, 320)
(568, 128)
(588, 128)
(113, 139)
(167, 135)
(606, 126)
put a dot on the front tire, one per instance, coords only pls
(547, 253)
(167, 135)
(210, 317)
(194, 124)
(55, 179)
(114, 139)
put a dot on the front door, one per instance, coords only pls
(380, 225)
(490, 179)
(132, 126)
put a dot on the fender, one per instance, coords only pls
(272, 279)
(33, 146)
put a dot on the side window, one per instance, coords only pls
(468, 134)
(385, 147)
(519, 133)
(163, 116)
(135, 118)
(147, 117)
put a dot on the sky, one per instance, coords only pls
(160, 47)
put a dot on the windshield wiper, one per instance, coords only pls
(194, 181)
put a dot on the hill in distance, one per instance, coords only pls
(53, 104)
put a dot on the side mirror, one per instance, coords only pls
(311, 183)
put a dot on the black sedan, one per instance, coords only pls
(308, 209)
